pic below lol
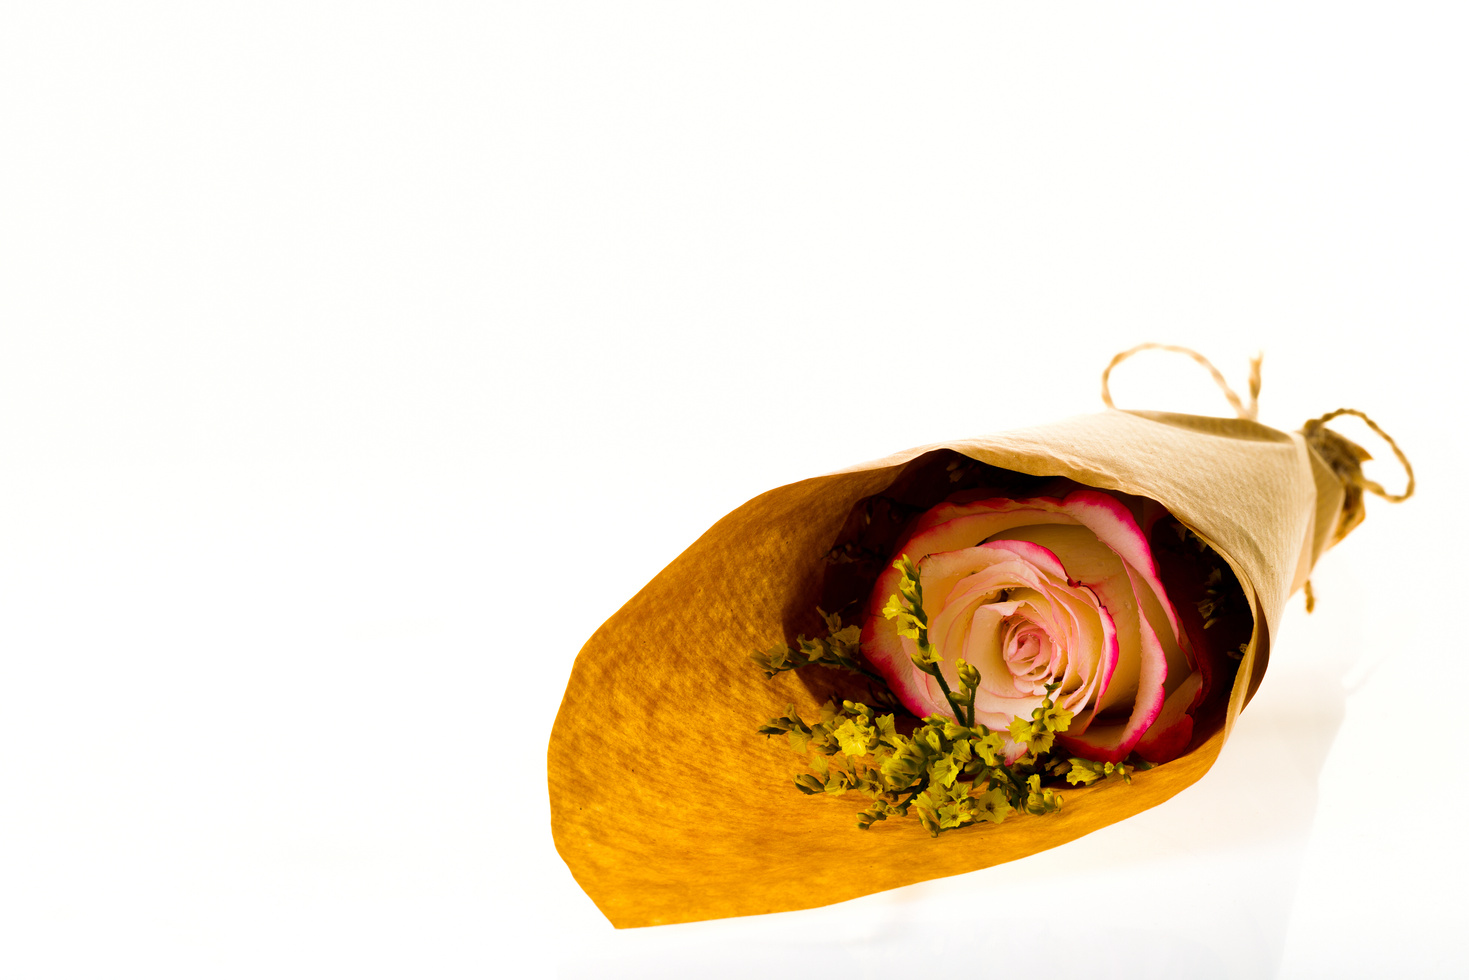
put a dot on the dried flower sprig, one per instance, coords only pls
(906, 606)
(949, 773)
(841, 647)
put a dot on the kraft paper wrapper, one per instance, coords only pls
(662, 820)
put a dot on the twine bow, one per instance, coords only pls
(1343, 456)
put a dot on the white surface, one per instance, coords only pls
(358, 360)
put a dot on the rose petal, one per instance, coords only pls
(883, 648)
(1170, 733)
(1112, 743)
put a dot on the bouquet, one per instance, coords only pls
(984, 648)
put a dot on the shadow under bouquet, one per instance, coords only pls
(984, 649)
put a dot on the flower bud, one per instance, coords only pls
(809, 784)
(968, 675)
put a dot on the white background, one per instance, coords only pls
(358, 360)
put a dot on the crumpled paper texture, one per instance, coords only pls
(661, 821)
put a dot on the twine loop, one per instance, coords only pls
(1248, 412)
(1345, 459)
(1316, 432)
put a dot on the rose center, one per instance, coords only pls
(1029, 654)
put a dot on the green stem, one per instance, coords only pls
(915, 790)
(954, 703)
(864, 671)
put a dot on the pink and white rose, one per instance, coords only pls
(1037, 591)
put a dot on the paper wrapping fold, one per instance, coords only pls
(668, 808)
